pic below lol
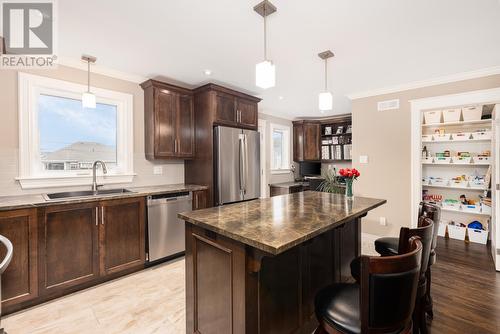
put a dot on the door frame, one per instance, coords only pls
(486, 96)
(261, 128)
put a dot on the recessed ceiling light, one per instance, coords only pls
(207, 72)
(280, 97)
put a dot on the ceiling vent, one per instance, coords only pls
(388, 105)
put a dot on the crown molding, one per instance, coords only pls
(426, 83)
(109, 72)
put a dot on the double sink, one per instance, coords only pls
(85, 194)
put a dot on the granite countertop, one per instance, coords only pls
(279, 223)
(290, 184)
(37, 200)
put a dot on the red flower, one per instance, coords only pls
(349, 173)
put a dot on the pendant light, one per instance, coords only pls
(325, 100)
(88, 99)
(265, 71)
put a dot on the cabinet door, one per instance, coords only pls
(312, 134)
(298, 143)
(185, 127)
(247, 113)
(68, 246)
(20, 279)
(225, 108)
(165, 106)
(121, 235)
(200, 199)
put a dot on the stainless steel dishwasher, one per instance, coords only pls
(165, 231)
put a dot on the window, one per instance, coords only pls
(280, 148)
(60, 140)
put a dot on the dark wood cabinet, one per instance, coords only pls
(20, 279)
(216, 105)
(200, 199)
(168, 121)
(68, 252)
(121, 235)
(306, 141)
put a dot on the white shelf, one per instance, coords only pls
(450, 187)
(455, 141)
(466, 212)
(456, 165)
(483, 121)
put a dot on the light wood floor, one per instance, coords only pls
(466, 292)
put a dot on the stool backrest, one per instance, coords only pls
(388, 289)
(433, 212)
(425, 233)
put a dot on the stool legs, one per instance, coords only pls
(428, 297)
(419, 317)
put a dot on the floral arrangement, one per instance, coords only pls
(349, 173)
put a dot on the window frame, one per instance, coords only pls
(30, 174)
(286, 142)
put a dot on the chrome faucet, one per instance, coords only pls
(94, 168)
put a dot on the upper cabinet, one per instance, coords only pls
(233, 108)
(168, 120)
(306, 141)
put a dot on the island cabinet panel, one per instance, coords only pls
(68, 251)
(20, 279)
(278, 290)
(121, 235)
(215, 283)
(200, 199)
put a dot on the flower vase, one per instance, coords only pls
(348, 188)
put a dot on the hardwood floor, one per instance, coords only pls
(466, 289)
(466, 292)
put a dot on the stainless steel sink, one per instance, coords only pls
(85, 193)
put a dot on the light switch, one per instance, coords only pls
(157, 170)
(363, 159)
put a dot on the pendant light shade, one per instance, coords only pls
(88, 99)
(325, 99)
(265, 72)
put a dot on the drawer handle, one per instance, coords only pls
(102, 215)
(96, 215)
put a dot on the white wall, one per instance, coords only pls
(173, 171)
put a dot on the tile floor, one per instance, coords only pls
(148, 302)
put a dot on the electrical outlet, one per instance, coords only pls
(157, 170)
(363, 159)
(383, 221)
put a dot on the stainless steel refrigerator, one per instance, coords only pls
(237, 165)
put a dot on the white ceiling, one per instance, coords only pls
(376, 43)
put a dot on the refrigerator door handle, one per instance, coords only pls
(245, 165)
(241, 161)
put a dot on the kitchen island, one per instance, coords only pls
(254, 267)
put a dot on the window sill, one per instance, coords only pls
(34, 182)
(281, 171)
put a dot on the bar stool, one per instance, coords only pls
(382, 301)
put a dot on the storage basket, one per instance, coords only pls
(426, 137)
(445, 137)
(442, 160)
(462, 136)
(462, 160)
(471, 208)
(458, 184)
(442, 229)
(477, 236)
(432, 117)
(451, 205)
(456, 232)
(439, 182)
(486, 209)
(486, 135)
(472, 113)
(482, 160)
(452, 115)
(428, 160)
(477, 184)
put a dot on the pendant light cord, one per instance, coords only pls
(88, 76)
(326, 75)
(265, 33)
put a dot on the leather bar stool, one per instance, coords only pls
(382, 301)
(389, 246)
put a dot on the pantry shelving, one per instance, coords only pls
(456, 165)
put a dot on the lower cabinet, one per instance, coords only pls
(121, 235)
(59, 249)
(200, 199)
(20, 279)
